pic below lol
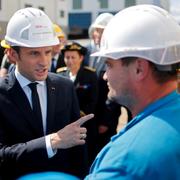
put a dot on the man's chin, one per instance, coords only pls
(112, 97)
(41, 78)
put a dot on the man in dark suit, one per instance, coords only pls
(43, 140)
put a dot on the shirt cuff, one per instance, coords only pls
(49, 149)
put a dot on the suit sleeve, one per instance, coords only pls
(13, 146)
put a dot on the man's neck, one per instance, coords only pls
(148, 96)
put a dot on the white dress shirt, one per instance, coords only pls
(42, 92)
(72, 77)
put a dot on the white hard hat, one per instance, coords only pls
(145, 31)
(102, 20)
(30, 27)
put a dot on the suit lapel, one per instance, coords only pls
(20, 99)
(79, 74)
(51, 103)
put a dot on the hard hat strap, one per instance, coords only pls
(168, 68)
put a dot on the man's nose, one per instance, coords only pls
(105, 76)
(44, 59)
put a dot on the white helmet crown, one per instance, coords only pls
(145, 31)
(30, 27)
(102, 20)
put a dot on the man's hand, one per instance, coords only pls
(71, 135)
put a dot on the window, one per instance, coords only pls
(61, 13)
(130, 3)
(41, 8)
(77, 4)
(103, 4)
(27, 5)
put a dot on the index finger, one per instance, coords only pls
(83, 119)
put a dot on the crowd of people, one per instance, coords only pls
(61, 102)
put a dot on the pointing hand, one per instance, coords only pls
(71, 135)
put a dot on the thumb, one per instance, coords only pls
(83, 119)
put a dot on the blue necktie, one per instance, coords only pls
(53, 69)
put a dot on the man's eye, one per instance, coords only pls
(108, 65)
(33, 53)
(48, 52)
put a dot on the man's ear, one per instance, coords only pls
(141, 69)
(82, 57)
(12, 55)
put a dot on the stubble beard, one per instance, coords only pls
(126, 98)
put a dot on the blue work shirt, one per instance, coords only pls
(147, 148)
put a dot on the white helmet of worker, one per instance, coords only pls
(145, 31)
(102, 20)
(30, 27)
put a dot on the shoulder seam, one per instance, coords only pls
(61, 69)
(90, 68)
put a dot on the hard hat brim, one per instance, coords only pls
(52, 42)
(4, 44)
(99, 54)
(159, 56)
(98, 26)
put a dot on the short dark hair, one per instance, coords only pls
(128, 60)
(160, 76)
(16, 48)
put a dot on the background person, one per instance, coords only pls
(57, 57)
(37, 107)
(1, 53)
(143, 56)
(107, 111)
(85, 82)
(6, 65)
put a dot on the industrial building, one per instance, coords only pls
(74, 16)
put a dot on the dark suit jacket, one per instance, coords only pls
(87, 92)
(60, 61)
(86, 87)
(22, 144)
